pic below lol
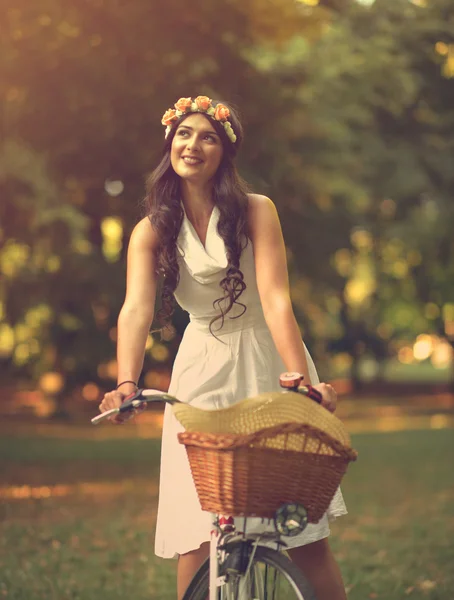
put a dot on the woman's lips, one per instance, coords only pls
(191, 160)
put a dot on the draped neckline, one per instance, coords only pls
(203, 261)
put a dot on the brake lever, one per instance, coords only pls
(310, 392)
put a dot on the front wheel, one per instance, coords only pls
(272, 575)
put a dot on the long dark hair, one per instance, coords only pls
(163, 207)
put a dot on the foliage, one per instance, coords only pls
(367, 138)
(348, 111)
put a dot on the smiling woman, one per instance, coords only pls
(196, 150)
(221, 255)
(196, 174)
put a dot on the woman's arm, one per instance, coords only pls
(273, 284)
(137, 312)
(274, 290)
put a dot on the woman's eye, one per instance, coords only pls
(184, 133)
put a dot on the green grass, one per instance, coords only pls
(397, 541)
(423, 372)
(97, 542)
(397, 372)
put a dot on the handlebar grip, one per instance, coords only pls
(136, 402)
(311, 393)
(105, 415)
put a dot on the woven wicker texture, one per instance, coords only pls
(252, 457)
(254, 482)
(263, 411)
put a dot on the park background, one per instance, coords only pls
(348, 110)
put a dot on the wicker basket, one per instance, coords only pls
(252, 457)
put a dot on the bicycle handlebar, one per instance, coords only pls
(137, 399)
(142, 397)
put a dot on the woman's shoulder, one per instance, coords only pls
(144, 235)
(260, 210)
(257, 201)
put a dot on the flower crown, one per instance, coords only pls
(202, 104)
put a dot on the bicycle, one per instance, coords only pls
(240, 566)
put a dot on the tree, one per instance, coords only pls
(366, 141)
(348, 111)
(85, 86)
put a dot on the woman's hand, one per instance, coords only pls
(111, 400)
(329, 396)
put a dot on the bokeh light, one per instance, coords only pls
(405, 355)
(423, 347)
(114, 187)
(149, 343)
(7, 340)
(90, 392)
(159, 352)
(112, 232)
(51, 382)
(442, 355)
(112, 369)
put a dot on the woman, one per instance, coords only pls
(221, 252)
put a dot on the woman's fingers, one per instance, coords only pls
(115, 399)
(329, 396)
(111, 400)
(121, 418)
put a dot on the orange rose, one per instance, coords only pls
(203, 102)
(221, 112)
(183, 104)
(169, 117)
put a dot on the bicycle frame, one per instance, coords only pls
(214, 565)
(217, 534)
(223, 531)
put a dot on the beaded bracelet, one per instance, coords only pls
(128, 381)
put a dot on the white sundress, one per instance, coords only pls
(209, 374)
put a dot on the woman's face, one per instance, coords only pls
(196, 150)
